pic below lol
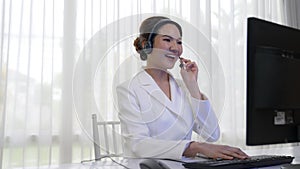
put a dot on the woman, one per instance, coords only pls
(158, 112)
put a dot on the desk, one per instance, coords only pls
(108, 164)
(134, 163)
(131, 163)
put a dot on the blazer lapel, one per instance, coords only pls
(149, 85)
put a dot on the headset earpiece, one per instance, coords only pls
(143, 55)
(148, 47)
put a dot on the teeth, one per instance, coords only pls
(171, 56)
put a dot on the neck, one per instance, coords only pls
(158, 75)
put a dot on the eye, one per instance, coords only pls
(179, 42)
(167, 40)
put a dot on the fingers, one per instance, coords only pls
(228, 152)
(235, 153)
(222, 151)
(188, 64)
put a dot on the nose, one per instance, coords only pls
(174, 47)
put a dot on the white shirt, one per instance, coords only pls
(155, 126)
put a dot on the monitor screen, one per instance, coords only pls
(273, 83)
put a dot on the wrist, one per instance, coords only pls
(202, 96)
(190, 150)
(194, 90)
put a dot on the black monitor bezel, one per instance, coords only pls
(262, 33)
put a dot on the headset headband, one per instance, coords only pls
(157, 26)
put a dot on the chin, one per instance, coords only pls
(170, 67)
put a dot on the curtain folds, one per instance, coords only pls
(292, 13)
(61, 61)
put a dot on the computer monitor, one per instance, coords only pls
(273, 83)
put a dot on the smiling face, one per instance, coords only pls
(167, 47)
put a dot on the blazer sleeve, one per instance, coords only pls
(206, 122)
(135, 133)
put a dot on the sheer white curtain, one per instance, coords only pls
(291, 8)
(60, 62)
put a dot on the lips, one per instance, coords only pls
(171, 56)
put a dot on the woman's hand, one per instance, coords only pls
(189, 74)
(214, 151)
(189, 71)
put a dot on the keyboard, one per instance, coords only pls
(251, 162)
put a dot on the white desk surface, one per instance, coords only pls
(134, 163)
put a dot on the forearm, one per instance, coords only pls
(153, 148)
(196, 148)
(206, 120)
(194, 90)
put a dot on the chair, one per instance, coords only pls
(107, 138)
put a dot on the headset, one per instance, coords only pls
(149, 44)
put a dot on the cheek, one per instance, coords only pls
(180, 50)
(162, 45)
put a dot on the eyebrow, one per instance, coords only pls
(171, 37)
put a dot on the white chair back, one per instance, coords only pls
(107, 138)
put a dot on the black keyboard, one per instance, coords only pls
(251, 162)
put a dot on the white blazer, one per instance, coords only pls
(155, 126)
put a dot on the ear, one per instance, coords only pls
(143, 43)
